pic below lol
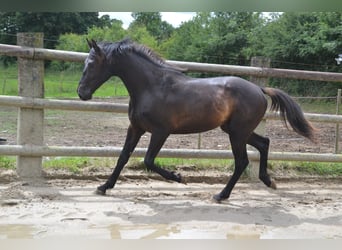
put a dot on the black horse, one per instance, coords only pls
(165, 101)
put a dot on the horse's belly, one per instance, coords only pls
(195, 124)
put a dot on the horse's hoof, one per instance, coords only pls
(177, 177)
(217, 198)
(101, 190)
(273, 185)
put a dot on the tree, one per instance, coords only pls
(214, 37)
(307, 41)
(111, 31)
(153, 23)
(140, 34)
(229, 36)
(189, 40)
(52, 24)
(302, 38)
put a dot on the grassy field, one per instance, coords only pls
(63, 84)
(76, 165)
(59, 84)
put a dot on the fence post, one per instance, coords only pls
(337, 127)
(263, 62)
(30, 121)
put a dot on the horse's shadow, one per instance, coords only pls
(169, 211)
(184, 212)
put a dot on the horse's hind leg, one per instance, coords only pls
(262, 145)
(157, 141)
(241, 161)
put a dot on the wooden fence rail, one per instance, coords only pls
(41, 103)
(30, 151)
(38, 151)
(47, 54)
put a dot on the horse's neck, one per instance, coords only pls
(138, 75)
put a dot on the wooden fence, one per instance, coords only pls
(31, 104)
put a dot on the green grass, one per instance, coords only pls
(77, 164)
(71, 164)
(59, 84)
(319, 107)
(7, 162)
(310, 168)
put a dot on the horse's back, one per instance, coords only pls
(242, 87)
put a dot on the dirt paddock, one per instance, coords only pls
(154, 209)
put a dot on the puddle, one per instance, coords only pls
(142, 231)
(164, 231)
(243, 236)
(16, 231)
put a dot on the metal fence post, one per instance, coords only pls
(30, 121)
(253, 168)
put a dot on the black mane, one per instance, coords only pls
(129, 46)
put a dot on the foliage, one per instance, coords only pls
(52, 24)
(306, 41)
(152, 21)
(307, 38)
(218, 37)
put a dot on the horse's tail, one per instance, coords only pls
(290, 111)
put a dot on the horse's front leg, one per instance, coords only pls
(132, 139)
(157, 141)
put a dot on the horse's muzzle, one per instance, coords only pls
(84, 95)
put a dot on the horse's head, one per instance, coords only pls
(95, 73)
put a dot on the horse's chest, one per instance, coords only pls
(144, 117)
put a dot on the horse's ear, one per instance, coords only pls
(89, 43)
(95, 46)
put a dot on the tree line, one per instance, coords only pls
(294, 40)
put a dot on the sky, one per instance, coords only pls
(173, 18)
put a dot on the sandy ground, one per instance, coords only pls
(154, 209)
